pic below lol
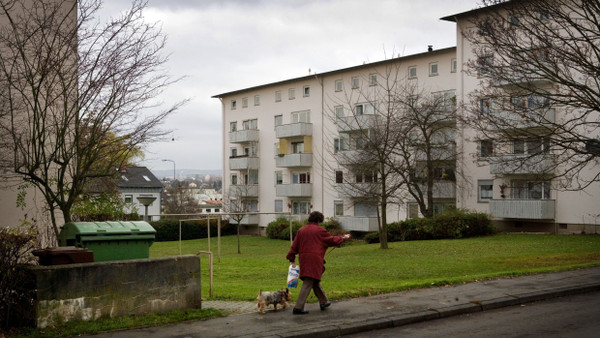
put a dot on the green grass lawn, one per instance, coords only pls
(359, 269)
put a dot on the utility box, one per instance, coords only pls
(110, 241)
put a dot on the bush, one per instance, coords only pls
(167, 229)
(16, 296)
(280, 228)
(451, 224)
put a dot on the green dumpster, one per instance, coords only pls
(110, 241)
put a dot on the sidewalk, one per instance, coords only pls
(381, 311)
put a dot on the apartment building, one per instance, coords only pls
(282, 141)
(519, 179)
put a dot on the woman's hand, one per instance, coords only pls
(347, 237)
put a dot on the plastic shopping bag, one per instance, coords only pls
(293, 274)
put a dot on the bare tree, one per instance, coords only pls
(539, 99)
(180, 200)
(73, 91)
(238, 203)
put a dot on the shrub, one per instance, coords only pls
(280, 228)
(167, 229)
(451, 224)
(16, 295)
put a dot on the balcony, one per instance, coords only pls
(348, 157)
(365, 224)
(518, 77)
(243, 136)
(293, 190)
(294, 160)
(247, 190)
(522, 164)
(445, 152)
(243, 163)
(356, 122)
(523, 209)
(250, 219)
(443, 189)
(356, 190)
(294, 130)
(520, 120)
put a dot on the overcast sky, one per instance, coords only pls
(226, 45)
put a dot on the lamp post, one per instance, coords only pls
(173, 167)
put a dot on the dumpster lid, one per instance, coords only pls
(106, 228)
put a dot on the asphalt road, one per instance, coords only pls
(574, 316)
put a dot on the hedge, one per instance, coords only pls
(450, 225)
(167, 229)
(280, 228)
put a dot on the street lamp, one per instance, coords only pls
(173, 167)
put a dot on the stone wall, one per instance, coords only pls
(92, 290)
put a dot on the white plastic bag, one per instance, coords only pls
(293, 274)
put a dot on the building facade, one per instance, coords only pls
(282, 141)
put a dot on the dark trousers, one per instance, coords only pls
(307, 285)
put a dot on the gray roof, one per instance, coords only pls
(138, 177)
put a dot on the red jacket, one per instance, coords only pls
(311, 243)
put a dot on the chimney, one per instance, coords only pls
(430, 48)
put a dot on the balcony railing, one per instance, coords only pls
(293, 130)
(348, 157)
(355, 190)
(523, 209)
(246, 190)
(525, 119)
(351, 223)
(518, 77)
(294, 190)
(243, 136)
(522, 164)
(442, 189)
(294, 160)
(250, 219)
(243, 163)
(445, 152)
(356, 122)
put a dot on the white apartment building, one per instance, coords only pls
(279, 139)
(526, 195)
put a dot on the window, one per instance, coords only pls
(251, 205)
(445, 99)
(453, 66)
(433, 69)
(486, 148)
(278, 177)
(292, 93)
(484, 65)
(278, 96)
(530, 102)
(530, 190)
(277, 152)
(233, 152)
(366, 176)
(338, 208)
(301, 116)
(232, 126)
(340, 143)
(245, 102)
(233, 104)
(250, 124)
(355, 82)
(306, 91)
(300, 208)
(257, 100)
(413, 210)
(412, 72)
(531, 146)
(338, 85)
(485, 190)
(297, 147)
(300, 177)
(373, 80)
(339, 176)
(234, 179)
(278, 120)
(278, 206)
(364, 109)
(339, 111)
(128, 198)
(485, 106)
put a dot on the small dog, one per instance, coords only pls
(275, 298)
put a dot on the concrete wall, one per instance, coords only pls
(89, 291)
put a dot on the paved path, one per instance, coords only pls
(381, 311)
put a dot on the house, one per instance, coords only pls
(138, 183)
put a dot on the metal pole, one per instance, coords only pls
(208, 222)
(291, 237)
(219, 238)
